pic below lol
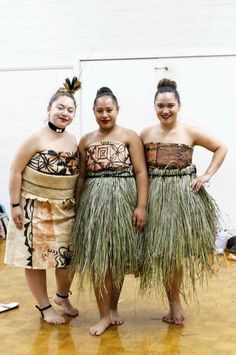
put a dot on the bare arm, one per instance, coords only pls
(23, 155)
(219, 152)
(139, 165)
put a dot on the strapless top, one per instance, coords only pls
(168, 155)
(55, 163)
(107, 156)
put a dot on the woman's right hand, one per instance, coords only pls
(139, 218)
(17, 216)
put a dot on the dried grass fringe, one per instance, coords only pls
(179, 233)
(104, 238)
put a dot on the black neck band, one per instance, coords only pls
(55, 128)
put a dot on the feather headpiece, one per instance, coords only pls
(71, 86)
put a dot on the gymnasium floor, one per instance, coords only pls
(210, 327)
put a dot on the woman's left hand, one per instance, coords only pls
(199, 181)
(139, 218)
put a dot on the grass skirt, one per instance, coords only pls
(104, 238)
(180, 231)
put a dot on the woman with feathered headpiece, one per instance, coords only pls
(42, 181)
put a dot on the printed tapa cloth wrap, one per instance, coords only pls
(47, 202)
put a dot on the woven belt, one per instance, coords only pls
(125, 173)
(48, 185)
(156, 172)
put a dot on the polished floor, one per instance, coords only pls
(210, 326)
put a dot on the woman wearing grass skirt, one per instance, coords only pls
(112, 207)
(182, 216)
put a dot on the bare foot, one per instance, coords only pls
(167, 318)
(100, 327)
(51, 316)
(116, 319)
(175, 316)
(67, 306)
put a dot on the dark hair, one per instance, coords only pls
(68, 89)
(59, 94)
(166, 85)
(105, 91)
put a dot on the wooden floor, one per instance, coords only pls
(210, 327)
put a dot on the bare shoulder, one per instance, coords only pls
(129, 135)
(148, 130)
(191, 129)
(203, 138)
(86, 139)
(197, 133)
(29, 146)
(131, 139)
(72, 138)
(33, 138)
(129, 131)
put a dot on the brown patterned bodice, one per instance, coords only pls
(108, 156)
(55, 163)
(168, 155)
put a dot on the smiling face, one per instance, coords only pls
(167, 108)
(62, 111)
(106, 111)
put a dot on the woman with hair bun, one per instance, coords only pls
(112, 208)
(42, 188)
(182, 216)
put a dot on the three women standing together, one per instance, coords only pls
(166, 236)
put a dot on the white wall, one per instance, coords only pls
(56, 34)
(42, 32)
